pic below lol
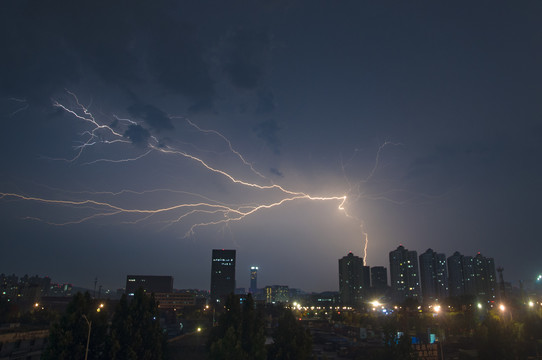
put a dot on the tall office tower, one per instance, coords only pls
(222, 274)
(405, 279)
(434, 276)
(253, 279)
(485, 277)
(353, 279)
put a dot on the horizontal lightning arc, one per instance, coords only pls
(149, 212)
(111, 206)
(268, 206)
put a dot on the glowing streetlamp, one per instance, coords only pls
(375, 304)
(89, 323)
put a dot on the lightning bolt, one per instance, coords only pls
(228, 142)
(218, 213)
(22, 108)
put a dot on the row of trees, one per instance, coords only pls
(12, 312)
(511, 333)
(132, 331)
(240, 334)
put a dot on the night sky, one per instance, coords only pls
(426, 115)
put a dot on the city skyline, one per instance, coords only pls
(135, 140)
(470, 275)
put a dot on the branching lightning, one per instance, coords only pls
(22, 108)
(216, 212)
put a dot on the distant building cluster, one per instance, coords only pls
(30, 289)
(161, 286)
(426, 278)
(149, 283)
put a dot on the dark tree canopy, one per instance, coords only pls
(291, 340)
(135, 329)
(240, 332)
(68, 337)
(134, 332)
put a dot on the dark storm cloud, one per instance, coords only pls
(245, 56)
(154, 117)
(177, 60)
(114, 123)
(268, 131)
(449, 165)
(34, 61)
(266, 102)
(276, 171)
(123, 43)
(138, 135)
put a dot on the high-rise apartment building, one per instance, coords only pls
(474, 276)
(253, 279)
(434, 276)
(443, 288)
(461, 270)
(485, 277)
(405, 279)
(222, 274)
(379, 278)
(469, 281)
(455, 274)
(354, 279)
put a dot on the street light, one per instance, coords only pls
(89, 323)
